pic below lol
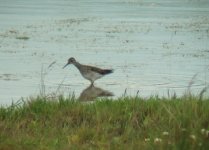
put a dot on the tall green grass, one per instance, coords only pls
(126, 123)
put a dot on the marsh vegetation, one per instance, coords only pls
(126, 123)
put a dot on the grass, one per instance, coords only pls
(126, 123)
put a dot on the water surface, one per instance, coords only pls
(153, 46)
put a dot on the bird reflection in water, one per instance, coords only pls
(92, 92)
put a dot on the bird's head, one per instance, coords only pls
(70, 61)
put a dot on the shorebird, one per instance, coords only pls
(90, 73)
(92, 92)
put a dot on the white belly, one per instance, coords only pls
(92, 76)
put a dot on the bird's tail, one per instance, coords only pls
(107, 71)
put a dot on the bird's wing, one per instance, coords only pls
(101, 71)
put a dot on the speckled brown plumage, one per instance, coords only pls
(90, 73)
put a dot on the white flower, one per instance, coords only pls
(203, 131)
(157, 140)
(147, 139)
(193, 137)
(165, 133)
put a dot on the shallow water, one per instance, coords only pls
(153, 46)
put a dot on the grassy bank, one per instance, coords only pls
(127, 123)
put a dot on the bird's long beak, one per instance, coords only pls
(65, 65)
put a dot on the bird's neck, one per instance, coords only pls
(77, 64)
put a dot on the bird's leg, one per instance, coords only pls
(92, 83)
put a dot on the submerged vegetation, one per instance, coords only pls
(22, 38)
(126, 123)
